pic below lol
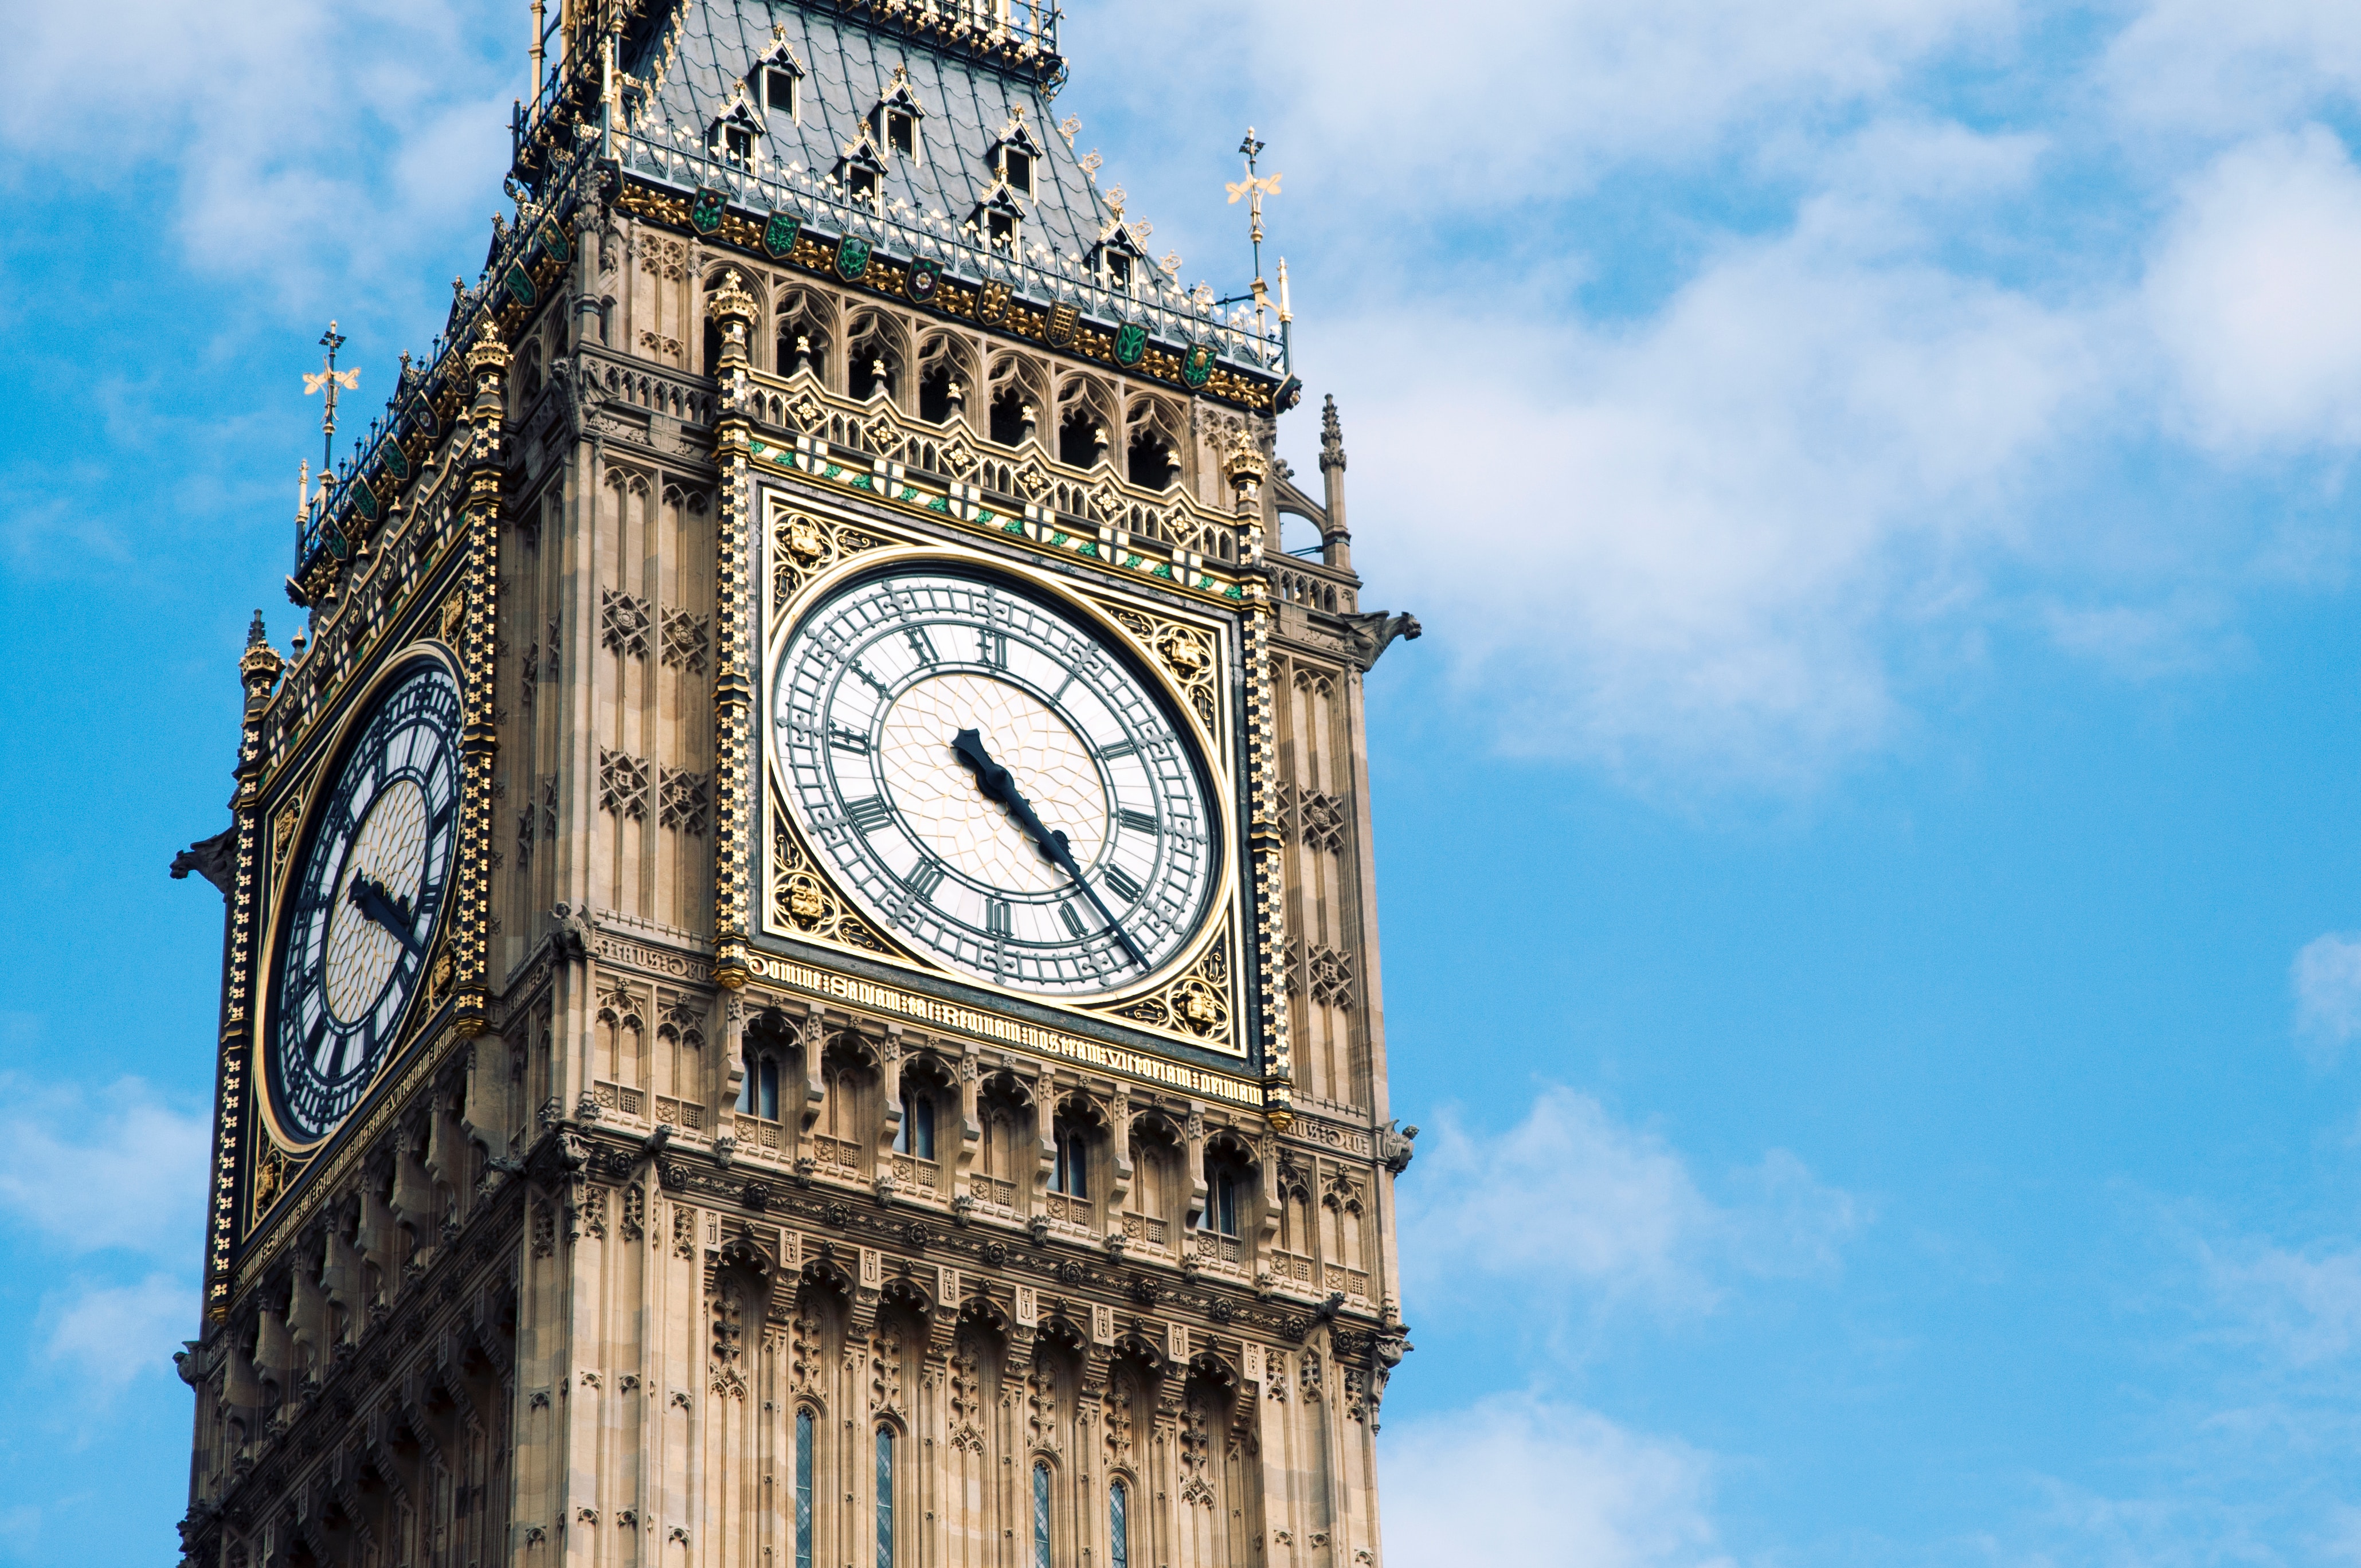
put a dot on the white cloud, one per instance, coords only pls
(1569, 1198)
(296, 132)
(2302, 1306)
(1699, 541)
(112, 1335)
(1512, 100)
(116, 1169)
(2326, 977)
(1536, 1484)
(2251, 295)
(2232, 66)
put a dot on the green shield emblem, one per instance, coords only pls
(554, 242)
(1196, 367)
(705, 213)
(365, 499)
(852, 258)
(780, 234)
(1130, 345)
(397, 461)
(520, 283)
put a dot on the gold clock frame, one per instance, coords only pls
(292, 1154)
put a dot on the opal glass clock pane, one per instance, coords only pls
(937, 795)
(391, 850)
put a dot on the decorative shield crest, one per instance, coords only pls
(520, 283)
(397, 461)
(851, 257)
(1196, 366)
(705, 212)
(1130, 345)
(365, 499)
(994, 304)
(423, 412)
(553, 242)
(924, 276)
(1062, 324)
(780, 234)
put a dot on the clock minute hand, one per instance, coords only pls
(376, 901)
(998, 785)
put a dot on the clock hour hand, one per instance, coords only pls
(377, 901)
(996, 784)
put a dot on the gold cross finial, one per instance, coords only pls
(331, 378)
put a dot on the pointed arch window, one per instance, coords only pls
(884, 1496)
(1041, 1515)
(1118, 1526)
(804, 1486)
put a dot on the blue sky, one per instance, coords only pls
(1869, 840)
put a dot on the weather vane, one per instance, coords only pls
(331, 378)
(1255, 187)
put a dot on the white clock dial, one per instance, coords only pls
(362, 904)
(870, 697)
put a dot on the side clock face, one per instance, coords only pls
(992, 780)
(363, 902)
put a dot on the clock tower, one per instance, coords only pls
(801, 974)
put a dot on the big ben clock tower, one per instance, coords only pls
(801, 982)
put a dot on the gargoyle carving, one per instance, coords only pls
(1373, 631)
(213, 859)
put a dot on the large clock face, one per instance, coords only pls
(994, 781)
(363, 902)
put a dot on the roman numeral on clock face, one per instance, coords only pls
(1120, 880)
(926, 877)
(1137, 821)
(869, 814)
(845, 739)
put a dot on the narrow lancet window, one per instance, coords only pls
(1041, 1516)
(804, 1488)
(884, 1497)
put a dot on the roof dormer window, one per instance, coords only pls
(997, 219)
(1014, 156)
(1119, 257)
(894, 123)
(732, 133)
(860, 170)
(776, 80)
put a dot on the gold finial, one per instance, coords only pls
(331, 378)
(1255, 187)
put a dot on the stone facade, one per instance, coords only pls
(632, 1253)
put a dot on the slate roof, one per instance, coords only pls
(691, 70)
